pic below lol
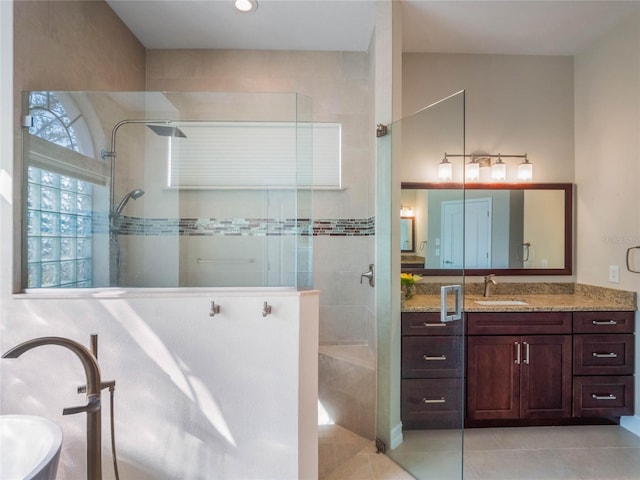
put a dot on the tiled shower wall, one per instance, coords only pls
(338, 83)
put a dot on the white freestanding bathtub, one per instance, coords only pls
(29, 447)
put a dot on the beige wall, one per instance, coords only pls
(68, 45)
(607, 103)
(515, 104)
(607, 100)
(337, 82)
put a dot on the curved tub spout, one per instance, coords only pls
(92, 372)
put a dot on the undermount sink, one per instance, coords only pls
(501, 302)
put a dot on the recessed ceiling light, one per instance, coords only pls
(246, 5)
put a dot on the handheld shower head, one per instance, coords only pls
(135, 194)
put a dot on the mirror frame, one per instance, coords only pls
(568, 229)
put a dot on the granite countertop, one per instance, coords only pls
(579, 298)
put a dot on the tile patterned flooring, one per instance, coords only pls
(603, 452)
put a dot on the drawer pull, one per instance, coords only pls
(604, 397)
(604, 322)
(439, 357)
(434, 400)
(434, 324)
(605, 355)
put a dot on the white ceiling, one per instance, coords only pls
(535, 27)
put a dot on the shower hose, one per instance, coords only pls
(113, 431)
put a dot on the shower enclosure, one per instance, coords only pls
(161, 189)
(420, 414)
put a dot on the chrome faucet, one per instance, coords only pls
(93, 388)
(488, 280)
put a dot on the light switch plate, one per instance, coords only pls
(614, 273)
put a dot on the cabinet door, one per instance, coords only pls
(493, 390)
(545, 376)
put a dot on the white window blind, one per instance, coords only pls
(255, 154)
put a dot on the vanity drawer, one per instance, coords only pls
(602, 396)
(428, 323)
(432, 403)
(518, 323)
(431, 357)
(603, 354)
(603, 322)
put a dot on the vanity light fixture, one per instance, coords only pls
(246, 6)
(406, 211)
(445, 170)
(499, 170)
(480, 160)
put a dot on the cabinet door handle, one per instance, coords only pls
(604, 322)
(439, 357)
(434, 400)
(517, 353)
(434, 324)
(605, 355)
(609, 396)
(526, 354)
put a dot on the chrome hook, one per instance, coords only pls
(215, 309)
(266, 309)
(369, 275)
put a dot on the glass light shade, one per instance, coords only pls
(445, 170)
(472, 171)
(499, 171)
(525, 171)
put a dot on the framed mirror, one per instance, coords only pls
(407, 234)
(510, 229)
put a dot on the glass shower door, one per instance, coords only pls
(421, 340)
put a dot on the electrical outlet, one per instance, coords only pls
(614, 273)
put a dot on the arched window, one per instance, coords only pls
(59, 205)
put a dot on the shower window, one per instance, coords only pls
(59, 205)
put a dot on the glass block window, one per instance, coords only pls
(59, 206)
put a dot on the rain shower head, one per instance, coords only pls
(167, 131)
(135, 194)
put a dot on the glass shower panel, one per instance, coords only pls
(194, 189)
(421, 382)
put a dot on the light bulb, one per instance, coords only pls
(472, 171)
(525, 171)
(246, 5)
(445, 170)
(499, 170)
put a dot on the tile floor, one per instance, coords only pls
(545, 453)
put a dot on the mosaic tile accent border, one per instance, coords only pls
(343, 227)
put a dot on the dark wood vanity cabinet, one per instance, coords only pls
(603, 364)
(432, 371)
(524, 376)
(520, 368)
